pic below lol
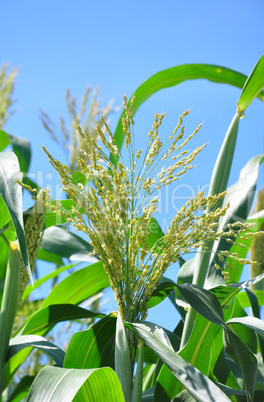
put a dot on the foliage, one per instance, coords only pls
(215, 352)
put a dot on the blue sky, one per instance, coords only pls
(118, 45)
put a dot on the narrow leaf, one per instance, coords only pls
(253, 86)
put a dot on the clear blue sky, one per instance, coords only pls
(117, 45)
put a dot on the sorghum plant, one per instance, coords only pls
(116, 210)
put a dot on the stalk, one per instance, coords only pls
(9, 305)
(137, 389)
(218, 184)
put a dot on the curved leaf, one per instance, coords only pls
(45, 318)
(174, 76)
(20, 342)
(56, 384)
(51, 275)
(198, 385)
(88, 349)
(79, 285)
(59, 241)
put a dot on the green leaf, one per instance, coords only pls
(161, 292)
(79, 285)
(240, 197)
(154, 233)
(210, 308)
(198, 385)
(56, 384)
(253, 86)
(39, 282)
(60, 242)
(4, 140)
(41, 323)
(45, 318)
(254, 323)
(20, 342)
(246, 360)
(122, 359)
(21, 148)
(89, 349)
(174, 76)
(11, 192)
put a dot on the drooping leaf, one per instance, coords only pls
(174, 76)
(54, 384)
(209, 307)
(198, 385)
(46, 317)
(20, 342)
(60, 242)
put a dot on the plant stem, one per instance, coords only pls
(9, 305)
(137, 389)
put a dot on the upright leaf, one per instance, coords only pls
(253, 86)
(11, 192)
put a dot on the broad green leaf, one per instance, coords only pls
(53, 274)
(197, 351)
(46, 317)
(20, 342)
(174, 76)
(79, 285)
(89, 349)
(4, 140)
(21, 148)
(60, 242)
(122, 359)
(11, 192)
(210, 308)
(198, 385)
(41, 323)
(253, 86)
(54, 384)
